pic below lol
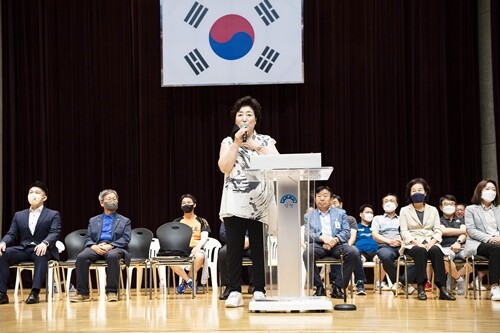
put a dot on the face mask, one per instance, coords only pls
(488, 195)
(449, 210)
(418, 197)
(187, 208)
(112, 206)
(34, 198)
(389, 207)
(368, 217)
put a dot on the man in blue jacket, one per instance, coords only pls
(108, 235)
(328, 234)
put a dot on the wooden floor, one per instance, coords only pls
(179, 313)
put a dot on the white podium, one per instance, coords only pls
(290, 296)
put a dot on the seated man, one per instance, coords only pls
(454, 236)
(222, 264)
(385, 231)
(199, 237)
(31, 237)
(328, 234)
(108, 235)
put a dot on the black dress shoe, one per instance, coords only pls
(320, 291)
(33, 298)
(337, 292)
(422, 296)
(445, 294)
(225, 294)
(4, 299)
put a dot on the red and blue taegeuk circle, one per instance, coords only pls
(231, 37)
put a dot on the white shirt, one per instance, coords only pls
(34, 215)
(326, 227)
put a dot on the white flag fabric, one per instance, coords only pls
(226, 42)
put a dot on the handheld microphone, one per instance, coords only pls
(244, 137)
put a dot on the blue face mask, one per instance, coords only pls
(418, 197)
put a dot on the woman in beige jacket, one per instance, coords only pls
(421, 234)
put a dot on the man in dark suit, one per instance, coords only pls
(32, 236)
(108, 235)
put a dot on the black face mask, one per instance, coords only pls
(187, 208)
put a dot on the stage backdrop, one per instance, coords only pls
(390, 93)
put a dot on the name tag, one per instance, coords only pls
(337, 224)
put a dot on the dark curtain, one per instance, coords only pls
(495, 53)
(390, 93)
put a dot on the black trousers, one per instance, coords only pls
(222, 265)
(492, 252)
(88, 256)
(420, 255)
(17, 254)
(236, 228)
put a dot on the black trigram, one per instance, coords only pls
(266, 12)
(267, 59)
(196, 14)
(196, 61)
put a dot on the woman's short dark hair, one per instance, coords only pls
(412, 182)
(247, 101)
(476, 197)
(190, 196)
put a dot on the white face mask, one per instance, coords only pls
(389, 207)
(34, 198)
(488, 195)
(449, 210)
(368, 217)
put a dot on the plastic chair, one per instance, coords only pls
(174, 240)
(139, 246)
(75, 243)
(211, 249)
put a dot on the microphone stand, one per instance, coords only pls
(344, 306)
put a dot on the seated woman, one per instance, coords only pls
(421, 234)
(482, 220)
(200, 229)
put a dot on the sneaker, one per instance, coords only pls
(360, 288)
(495, 293)
(460, 286)
(181, 287)
(234, 300)
(190, 285)
(478, 283)
(112, 297)
(428, 286)
(258, 296)
(80, 298)
(382, 286)
(402, 287)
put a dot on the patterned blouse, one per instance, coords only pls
(250, 200)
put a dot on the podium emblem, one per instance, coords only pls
(288, 200)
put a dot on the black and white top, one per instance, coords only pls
(249, 200)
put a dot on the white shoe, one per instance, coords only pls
(460, 286)
(402, 287)
(477, 283)
(234, 300)
(385, 287)
(495, 293)
(258, 296)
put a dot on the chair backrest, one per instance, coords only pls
(211, 249)
(75, 243)
(140, 241)
(174, 238)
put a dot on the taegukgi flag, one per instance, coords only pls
(224, 42)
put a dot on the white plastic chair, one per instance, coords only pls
(211, 248)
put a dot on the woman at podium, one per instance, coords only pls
(244, 205)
